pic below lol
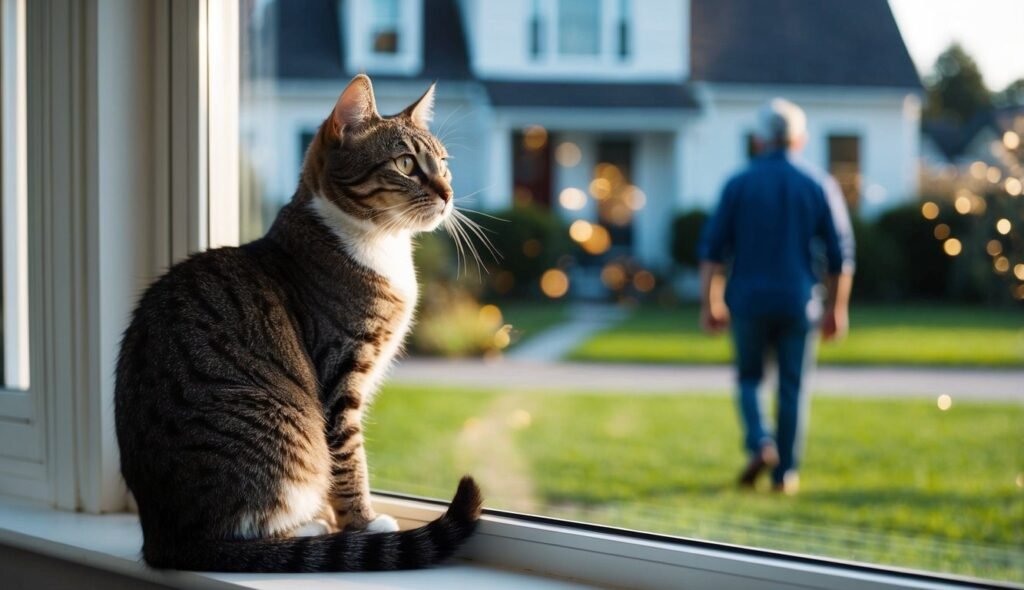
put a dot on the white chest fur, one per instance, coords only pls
(388, 255)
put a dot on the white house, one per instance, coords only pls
(534, 95)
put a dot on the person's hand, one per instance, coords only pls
(835, 324)
(714, 318)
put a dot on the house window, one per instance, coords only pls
(844, 165)
(579, 27)
(750, 146)
(384, 34)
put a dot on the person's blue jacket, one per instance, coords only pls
(773, 220)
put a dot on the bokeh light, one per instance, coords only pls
(613, 275)
(941, 231)
(978, 169)
(635, 198)
(535, 137)
(490, 316)
(962, 204)
(554, 283)
(930, 210)
(568, 154)
(1013, 186)
(1018, 271)
(1011, 140)
(644, 281)
(532, 248)
(944, 402)
(599, 241)
(1004, 226)
(993, 174)
(519, 419)
(601, 188)
(952, 246)
(1001, 264)
(572, 198)
(581, 230)
(503, 282)
(503, 337)
(994, 247)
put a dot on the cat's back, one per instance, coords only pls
(208, 319)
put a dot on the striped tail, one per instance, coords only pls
(338, 552)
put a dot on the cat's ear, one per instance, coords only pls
(421, 112)
(356, 106)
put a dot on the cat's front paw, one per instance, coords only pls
(382, 524)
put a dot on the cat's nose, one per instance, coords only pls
(443, 191)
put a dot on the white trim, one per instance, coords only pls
(14, 174)
(617, 560)
(223, 54)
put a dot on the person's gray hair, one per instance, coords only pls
(779, 122)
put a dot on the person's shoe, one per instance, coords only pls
(766, 458)
(789, 485)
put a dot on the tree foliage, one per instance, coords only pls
(956, 89)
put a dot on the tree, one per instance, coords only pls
(956, 90)
(1011, 96)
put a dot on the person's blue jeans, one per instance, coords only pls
(793, 340)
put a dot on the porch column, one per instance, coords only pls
(498, 194)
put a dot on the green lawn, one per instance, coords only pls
(879, 335)
(531, 318)
(885, 481)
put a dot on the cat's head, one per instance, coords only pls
(388, 171)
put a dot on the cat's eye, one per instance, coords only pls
(406, 164)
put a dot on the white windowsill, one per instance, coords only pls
(112, 542)
(531, 554)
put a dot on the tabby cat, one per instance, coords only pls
(245, 373)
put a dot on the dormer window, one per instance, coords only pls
(384, 34)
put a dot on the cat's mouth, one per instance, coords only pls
(429, 216)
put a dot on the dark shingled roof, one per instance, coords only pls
(526, 93)
(839, 43)
(815, 42)
(309, 45)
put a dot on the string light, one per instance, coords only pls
(952, 246)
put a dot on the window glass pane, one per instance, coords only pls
(385, 26)
(579, 27)
(844, 165)
(571, 376)
(14, 204)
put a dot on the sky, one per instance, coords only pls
(992, 31)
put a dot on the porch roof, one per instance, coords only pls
(528, 93)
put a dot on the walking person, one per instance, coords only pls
(781, 228)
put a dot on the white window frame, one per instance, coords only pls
(356, 17)
(23, 424)
(605, 555)
(95, 263)
(607, 55)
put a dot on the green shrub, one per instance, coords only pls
(530, 241)
(924, 270)
(880, 264)
(686, 233)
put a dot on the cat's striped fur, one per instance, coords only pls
(245, 374)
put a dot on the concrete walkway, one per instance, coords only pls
(584, 321)
(974, 384)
